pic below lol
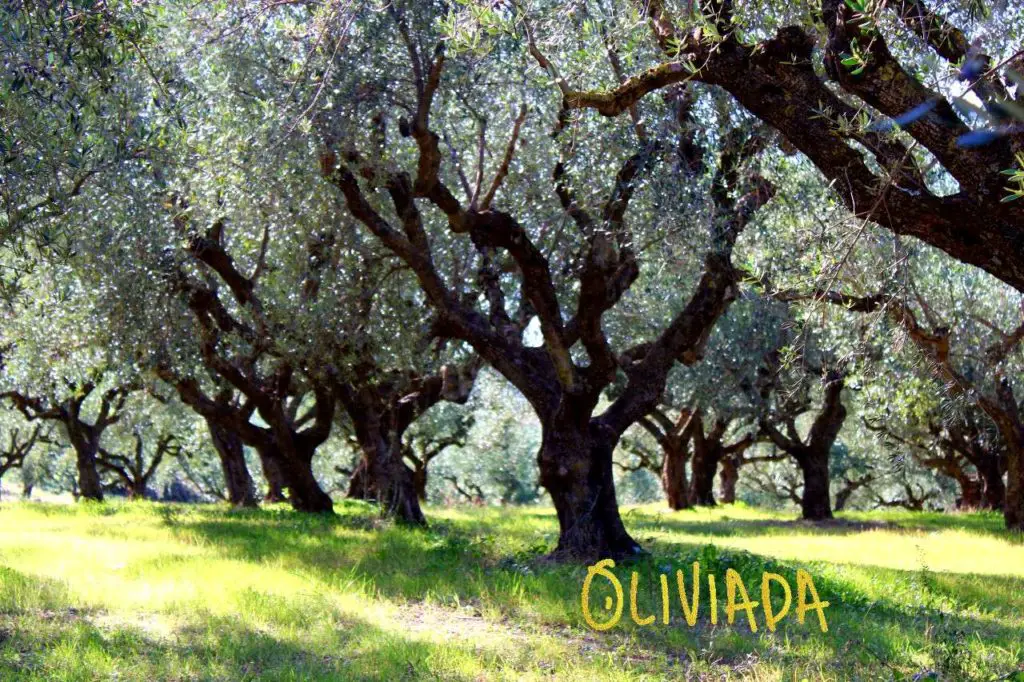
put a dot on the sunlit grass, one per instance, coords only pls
(200, 593)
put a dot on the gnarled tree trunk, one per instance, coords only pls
(294, 472)
(237, 479)
(673, 437)
(272, 473)
(395, 485)
(707, 452)
(812, 453)
(970, 492)
(575, 463)
(387, 478)
(381, 413)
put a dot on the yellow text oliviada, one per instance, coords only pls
(737, 598)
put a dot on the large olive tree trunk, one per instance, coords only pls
(575, 461)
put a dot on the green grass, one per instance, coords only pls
(158, 592)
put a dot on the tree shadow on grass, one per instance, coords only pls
(877, 630)
(62, 641)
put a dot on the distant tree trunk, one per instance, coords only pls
(813, 455)
(387, 477)
(136, 490)
(968, 440)
(673, 477)
(575, 462)
(702, 482)
(89, 484)
(396, 485)
(970, 492)
(707, 452)
(1013, 511)
(1008, 420)
(360, 487)
(272, 473)
(815, 504)
(728, 477)
(993, 493)
(381, 413)
(674, 438)
(850, 486)
(237, 479)
(842, 497)
(86, 445)
(304, 491)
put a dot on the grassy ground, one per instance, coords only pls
(157, 592)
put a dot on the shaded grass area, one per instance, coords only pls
(167, 592)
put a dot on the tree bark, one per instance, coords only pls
(360, 487)
(707, 452)
(272, 474)
(387, 477)
(137, 490)
(237, 479)
(815, 504)
(812, 453)
(1011, 427)
(381, 413)
(294, 472)
(575, 463)
(86, 445)
(993, 493)
(727, 478)
(970, 492)
(1013, 511)
(673, 436)
(702, 483)
(673, 475)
